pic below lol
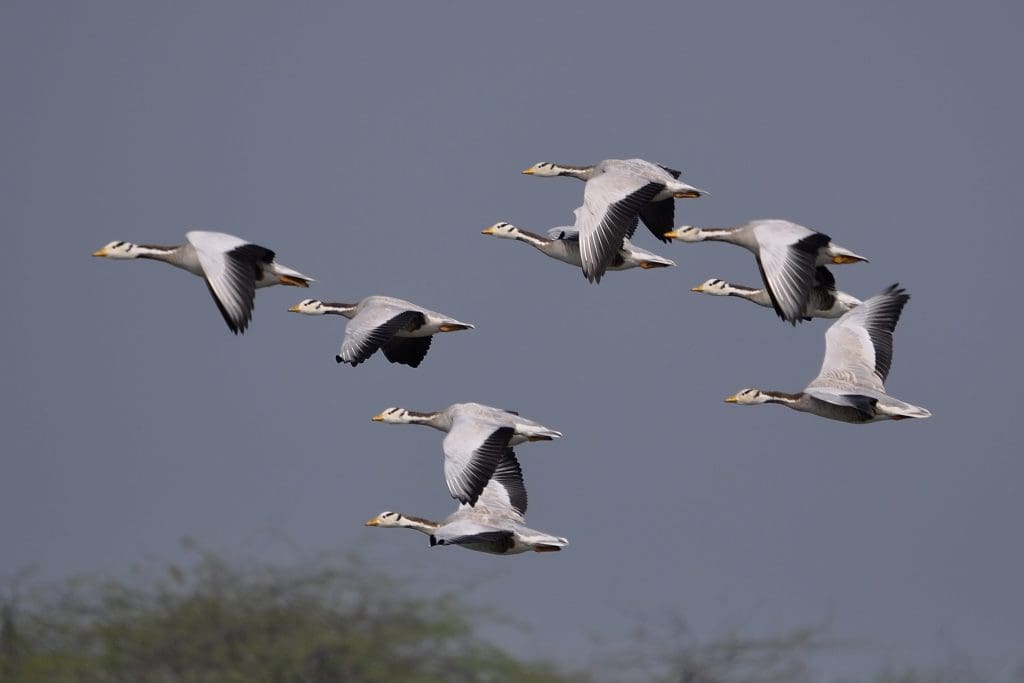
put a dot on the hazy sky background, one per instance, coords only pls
(369, 146)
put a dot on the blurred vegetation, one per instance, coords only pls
(216, 623)
(342, 621)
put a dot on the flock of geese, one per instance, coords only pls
(480, 467)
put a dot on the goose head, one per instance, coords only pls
(714, 286)
(502, 229)
(750, 397)
(393, 415)
(118, 249)
(386, 519)
(309, 307)
(686, 233)
(544, 169)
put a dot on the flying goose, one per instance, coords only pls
(478, 437)
(563, 244)
(496, 524)
(232, 268)
(825, 300)
(787, 255)
(858, 353)
(402, 330)
(616, 192)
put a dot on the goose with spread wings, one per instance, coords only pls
(496, 524)
(477, 437)
(563, 244)
(858, 354)
(617, 192)
(824, 301)
(787, 255)
(232, 268)
(399, 328)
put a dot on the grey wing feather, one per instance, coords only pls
(858, 346)
(231, 268)
(787, 269)
(505, 493)
(611, 206)
(373, 327)
(565, 234)
(472, 452)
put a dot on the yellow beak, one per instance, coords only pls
(100, 252)
(372, 522)
(528, 171)
(378, 418)
(698, 288)
(490, 230)
(671, 234)
(295, 309)
(731, 399)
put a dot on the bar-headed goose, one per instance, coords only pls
(399, 328)
(616, 192)
(787, 255)
(496, 524)
(232, 268)
(825, 301)
(478, 436)
(858, 353)
(563, 244)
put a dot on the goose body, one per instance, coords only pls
(495, 525)
(617, 193)
(563, 244)
(858, 354)
(477, 438)
(232, 268)
(399, 328)
(824, 300)
(787, 255)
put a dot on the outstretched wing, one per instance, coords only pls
(472, 452)
(373, 327)
(611, 205)
(858, 346)
(231, 266)
(787, 262)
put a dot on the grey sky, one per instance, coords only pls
(369, 146)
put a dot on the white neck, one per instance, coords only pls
(533, 239)
(758, 296)
(347, 310)
(420, 524)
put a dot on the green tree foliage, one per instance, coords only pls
(218, 623)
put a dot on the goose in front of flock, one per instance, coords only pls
(858, 354)
(399, 328)
(477, 438)
(495, 524)
(563, 244)
(232, 268)
(824, 301)
(787, 255)
(617, 191)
